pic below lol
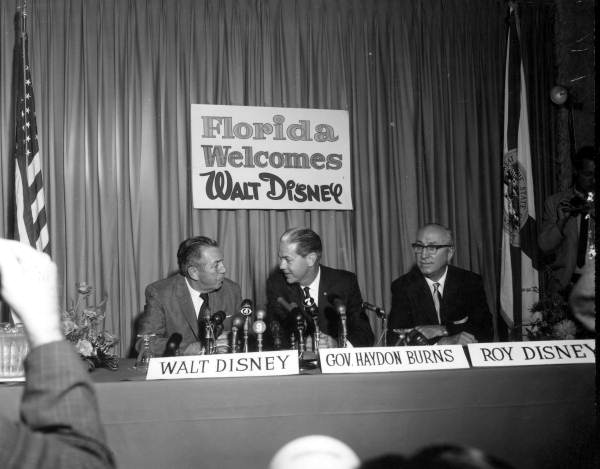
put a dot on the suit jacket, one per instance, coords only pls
(60, 423)
(463, 308)
(333, 282)
(562, 245)
(169, 309)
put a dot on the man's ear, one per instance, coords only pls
(192, 272)
(311, 258)
(450, 253)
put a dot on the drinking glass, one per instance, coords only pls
(143, 358)
(13, 350)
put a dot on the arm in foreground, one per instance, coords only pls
(60, 424)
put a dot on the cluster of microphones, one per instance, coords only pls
(305, 323)
(210, 327)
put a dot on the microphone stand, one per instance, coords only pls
(259, 328)
(384, 320)
(300, 326)
(246, 321)
(234, 332)
(317, 334)
(259, 341)
(340, 307)
(344, 334)
(276, 332)
(208, 337)
(309, 305)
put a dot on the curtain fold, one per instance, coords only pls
(422, 82)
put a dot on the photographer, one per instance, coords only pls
(568, 224)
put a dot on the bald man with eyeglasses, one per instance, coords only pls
(444, 303)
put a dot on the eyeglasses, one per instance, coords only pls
(430, 249)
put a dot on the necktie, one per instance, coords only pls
(437, 299)
(306, 292)
(583, 238)
(204, 312)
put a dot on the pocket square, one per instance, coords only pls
(461, 321)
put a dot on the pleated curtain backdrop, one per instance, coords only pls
(114, 80)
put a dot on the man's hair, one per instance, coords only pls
(584, 153)
(450, 456)
(191, 248)
(447, 231)
(306, 241)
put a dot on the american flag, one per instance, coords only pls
(30, 212)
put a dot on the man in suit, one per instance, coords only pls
(444, 303)
(60, 423)
(567, 222)
(300, 278)
(182, 302)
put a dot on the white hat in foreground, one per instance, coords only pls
(315, 452)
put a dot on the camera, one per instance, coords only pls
(578, 205)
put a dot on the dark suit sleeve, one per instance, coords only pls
(60, 425)
(480, 319)
(279, 322)
(274, 310)
(401, 315)
(360, 333)
(153, 321)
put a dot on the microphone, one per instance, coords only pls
(246, 308)
(259, 327)
(218, 318)
(260, 314)
(376, 309)
(236, 324)
(208, 332)
(295, 320)
(276, 333)
(246, 311)
(340, 307)
(300, 326)
(311, 308)
(172, 347)
(216, 321)
(338, 304)
(292, 308)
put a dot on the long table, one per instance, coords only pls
(534, 417)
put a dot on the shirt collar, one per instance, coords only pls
(195, 295)
(314, 287)
(441, 281)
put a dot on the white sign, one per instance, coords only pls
(549, 352)
(277, 363)
(381, 359)
(247, 157)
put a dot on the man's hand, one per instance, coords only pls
(28, 284)
(434, 330)
(462, 338)
(326, 341)
(195, 348)
(564, 211)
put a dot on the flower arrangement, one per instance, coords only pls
(551, 320)
(83, 326)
